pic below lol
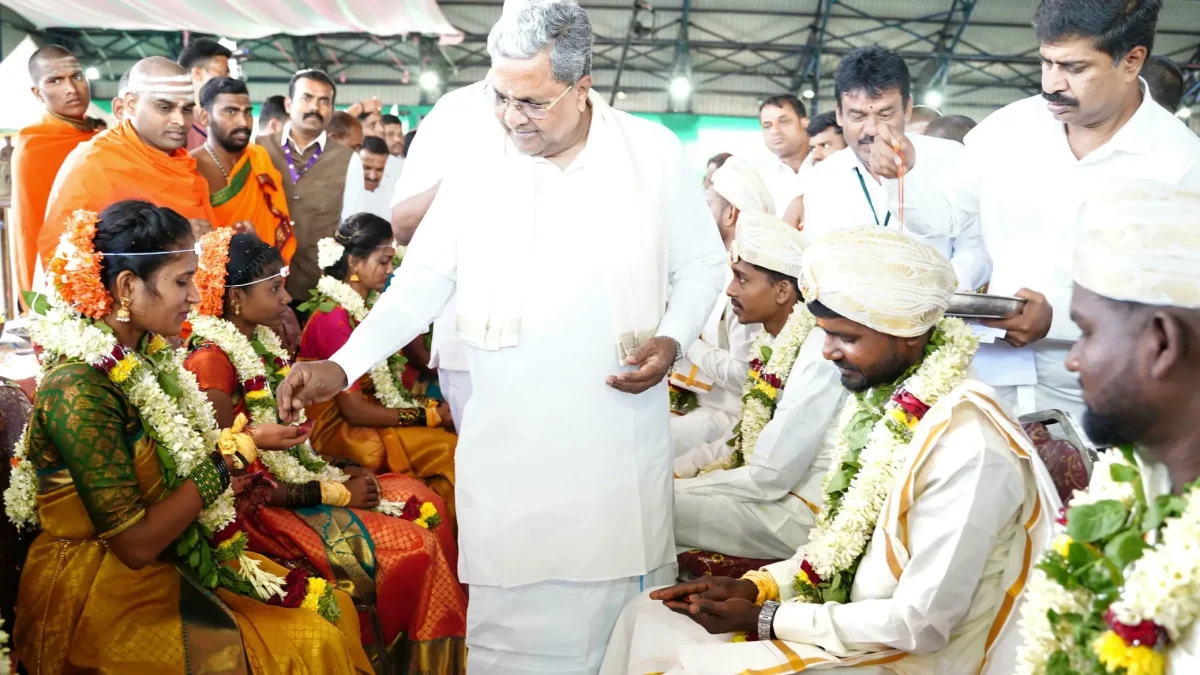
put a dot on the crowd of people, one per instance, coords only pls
(660, 424)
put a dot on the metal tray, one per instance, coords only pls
(980, 306)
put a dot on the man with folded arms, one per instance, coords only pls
(754, 491)
(934, 504)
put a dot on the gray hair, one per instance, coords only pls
(559, 27)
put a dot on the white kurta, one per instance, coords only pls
(1026, 184)
(962, 525)
(765, 509)
(834, 199)
(722, 355)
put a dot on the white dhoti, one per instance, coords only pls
(554, 627)
(733, 526)
(456, 389)
(702, 425)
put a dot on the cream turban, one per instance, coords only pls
(766, 241)
(741, 186)
(880, 278)
(1141, 243)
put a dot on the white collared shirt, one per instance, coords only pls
(785, 184)
(1026, 184)
(355, 183)
(837, 199)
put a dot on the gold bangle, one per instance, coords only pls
(767, 588)
(334, 494)
(432, 419)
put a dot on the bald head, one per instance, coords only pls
(160, 103)
(921, 116)
(950, 127)
(345, 129)
(59, 82)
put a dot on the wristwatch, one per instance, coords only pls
(766, 617)
(678, 351)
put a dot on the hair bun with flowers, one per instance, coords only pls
(211, 271)
(75, 267)
(329, 252)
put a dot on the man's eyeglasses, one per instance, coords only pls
(533, 111)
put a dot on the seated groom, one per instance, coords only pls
(754, 491)
(934, 505)
(715, 365)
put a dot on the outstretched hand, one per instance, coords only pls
(309, 382)
(654, 360)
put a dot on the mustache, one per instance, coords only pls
(1060, 99)
(866, 140)
(240, 130)
(317, 115)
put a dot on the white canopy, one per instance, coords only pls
(244, 18)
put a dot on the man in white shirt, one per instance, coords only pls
(1137, 301)
(754, 491)
(785, 132)
(715, 365)
(377, 198)
(578, 243)
(935, 502)
(858, 185)
(1031, 163)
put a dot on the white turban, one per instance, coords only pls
(740, 185)
(766, 241)
(880, 278)
(1141, 243)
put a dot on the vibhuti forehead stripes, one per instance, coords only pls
(162, 86)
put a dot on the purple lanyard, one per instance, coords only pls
(287, 154)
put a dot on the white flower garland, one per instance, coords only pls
(836, 542)
(19, 498)
(756, 414)
(390, 393)
(329, 252)
(1163, 586)
(5, 663)
(283, 464)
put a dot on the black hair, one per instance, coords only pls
(1114, 26)
(46, 52)
(217, 86)
(822, 122)
(375, 145)
(778, 277)
(1165, 81)
(781, 100)
(819, 310)
(364, 116)
(272, 109)
(249, 257)
(200, 52)
(389, 120)
(134, 226)
(872, 70)
(314, 74)
(408, 141)
(718, 159)
(361, 234)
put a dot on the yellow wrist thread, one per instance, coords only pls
(432, 419)
(767, 588)
(334, 494)
(238, 442)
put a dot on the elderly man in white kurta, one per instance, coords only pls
(754, 491)
(1137, 303)
(582, 254)
(715, 366)
(934, 504)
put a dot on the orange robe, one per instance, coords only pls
(117, 166)
(40, 150)
(255, 194)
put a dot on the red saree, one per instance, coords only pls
(406, 571)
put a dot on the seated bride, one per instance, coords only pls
(754, 491)
(402, 559)
(376, 422)
(141, 565)
(935, 502)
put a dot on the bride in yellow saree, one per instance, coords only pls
(140, 566)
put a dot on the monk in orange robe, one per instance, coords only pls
(59, 83)
(144, 158)
(245, 187)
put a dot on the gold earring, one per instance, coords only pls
(354, 276)
(123, 312)
(237, 308)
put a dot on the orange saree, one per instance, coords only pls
(118, 165)
(411, 449)
(255, 195)
(40, 151)
(406, 571)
